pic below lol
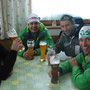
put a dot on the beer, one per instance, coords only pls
(13, 35)
(54, 62)
(51, 52)
(43, 50)
(13, 38)
(30, 50)
(30, 44)
(54, 73)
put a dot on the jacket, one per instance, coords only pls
(43, 34)
(7, 61)
(80, 74)
(68, 44)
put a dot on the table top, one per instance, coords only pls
(33, 75)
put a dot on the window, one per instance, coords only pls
(53, 8)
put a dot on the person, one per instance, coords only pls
(79, 65)
(79, 23)
(8, 58)
(68, 41)
(37, 31)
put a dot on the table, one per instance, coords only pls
(33, 75)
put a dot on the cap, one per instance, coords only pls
(84, 32)
(67, 17)
(33, 17)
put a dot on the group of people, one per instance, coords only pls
(75, 45)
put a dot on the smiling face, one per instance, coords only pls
(85, 44)
(33, 26)
(67, 26)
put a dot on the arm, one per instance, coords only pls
(9, 62)
(20, 52)
(8, 58)
(65, 67)
(80, 78)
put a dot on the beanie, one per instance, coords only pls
(84, 32)
(33, 17)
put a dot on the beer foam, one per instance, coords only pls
(30, 45)
(42, 43)
(12, 33)
(54, 60)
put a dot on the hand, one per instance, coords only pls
(28, 56)
(73, 62)
(68, 58)
(17, 44)
(50, 73)
(48, 56)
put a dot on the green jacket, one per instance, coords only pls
(80, 75)
(43, 35)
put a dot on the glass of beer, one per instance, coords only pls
(13, 35)
(43, 50)
(30, 44)
(51, 52)
(54, 62)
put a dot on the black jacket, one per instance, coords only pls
(7, 60)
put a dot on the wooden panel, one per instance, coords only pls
(49, 22)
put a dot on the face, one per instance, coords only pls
(33, 26)
(67, 26)
(85, 44)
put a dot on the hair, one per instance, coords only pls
(67, 17)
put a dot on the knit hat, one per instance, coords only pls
(84, 32)
(67, 17)
(33, 17)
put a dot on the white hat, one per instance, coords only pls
(84, 32)
(33, 17)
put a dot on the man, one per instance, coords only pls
(36, 32)
(80, 65)
(8, 58)
(68, 41)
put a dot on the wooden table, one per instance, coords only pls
(33, 75)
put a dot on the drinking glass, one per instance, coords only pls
(30, 44)
(13, 35)
(54, 62)
(43, 50)
(51, 52)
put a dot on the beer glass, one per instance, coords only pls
(30, 44)
(51, 52)
(13, 35)
(43, 50)
(54, 62)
